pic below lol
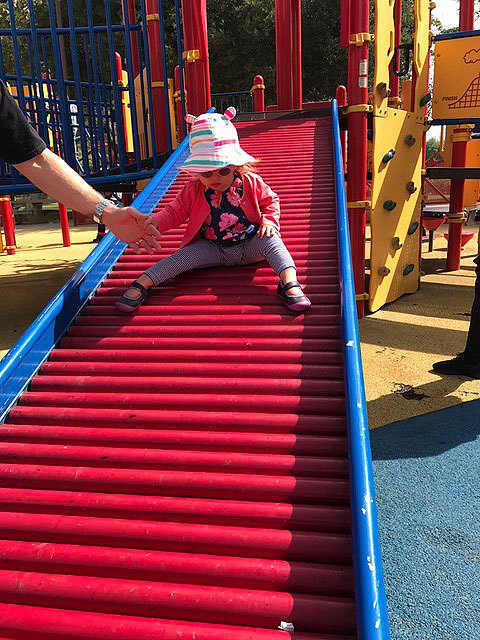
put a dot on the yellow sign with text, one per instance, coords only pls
(456, 86)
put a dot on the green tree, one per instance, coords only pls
(242, 44)
(432, 147)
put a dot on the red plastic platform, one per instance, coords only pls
(182, 472)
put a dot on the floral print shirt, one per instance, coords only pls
(227, 224)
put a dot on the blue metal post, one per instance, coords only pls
(78, 90)
(149, 84)
(165, 77)
(131, 87)
(116, 91)
(63, 127)
(183, 124)
(93, 54)
(36, 51)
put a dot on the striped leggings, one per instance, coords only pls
(205, 253)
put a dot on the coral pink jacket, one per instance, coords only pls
(260, 204)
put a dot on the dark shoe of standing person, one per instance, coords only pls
(458, 366)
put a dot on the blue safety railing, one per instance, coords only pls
(241, 100)
(370, 601)
(34, 346)
(85, 117)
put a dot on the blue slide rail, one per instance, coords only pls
(34, 346)
(371, 605)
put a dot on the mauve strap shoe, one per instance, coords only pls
(126, 305)
(294, 303)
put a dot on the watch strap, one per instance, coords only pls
(97, 214)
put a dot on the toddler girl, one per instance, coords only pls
(233, 216)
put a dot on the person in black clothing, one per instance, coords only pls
(21, 146)
(101, 231)
(467, 363)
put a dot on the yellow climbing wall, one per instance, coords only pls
(396, 165)
(394, 258)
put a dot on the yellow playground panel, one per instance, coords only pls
(396, 207)
(397, 164)
(456, 85)
(144, 132)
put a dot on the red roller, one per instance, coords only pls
(109, 562)
(179, 601)
(277, 515)
(169, 419)
(220, 344)
(239, 370)
(271, 404)
(194, 356)
(174, 536)
(200, 440)
(60, 624)
(172, 384)
(165, 459)
(292, 331)
(177, 483)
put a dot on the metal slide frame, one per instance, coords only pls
(24, 359)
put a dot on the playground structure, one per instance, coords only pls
(72, 405)
(116, 126)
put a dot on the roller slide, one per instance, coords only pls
(199, 469)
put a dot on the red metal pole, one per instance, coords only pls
(178, 103)
(357, 142)
(197, 68)
(394, 81)
(344, 23)
(132, 19)
(156, 59)
(284, 61)
(8, 224)
(459, 157)
(258, 91)
(296, 40)
(62, 210)
(341, 95)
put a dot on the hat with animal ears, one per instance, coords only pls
(214, 143)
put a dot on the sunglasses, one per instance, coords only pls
(221, 172)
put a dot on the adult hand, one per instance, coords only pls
(133, 227)
(268, 230)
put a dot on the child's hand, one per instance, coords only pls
(267, 229)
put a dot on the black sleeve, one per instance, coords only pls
(18, 139)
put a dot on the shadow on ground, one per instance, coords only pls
(407, 400)
(427, 473)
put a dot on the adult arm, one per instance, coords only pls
(21, 146)
(57, 179)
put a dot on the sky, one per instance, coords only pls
(447, 12)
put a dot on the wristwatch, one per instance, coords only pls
(97, 214)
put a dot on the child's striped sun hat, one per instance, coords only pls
(214, 143)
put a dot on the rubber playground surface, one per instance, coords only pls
(424, 428)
